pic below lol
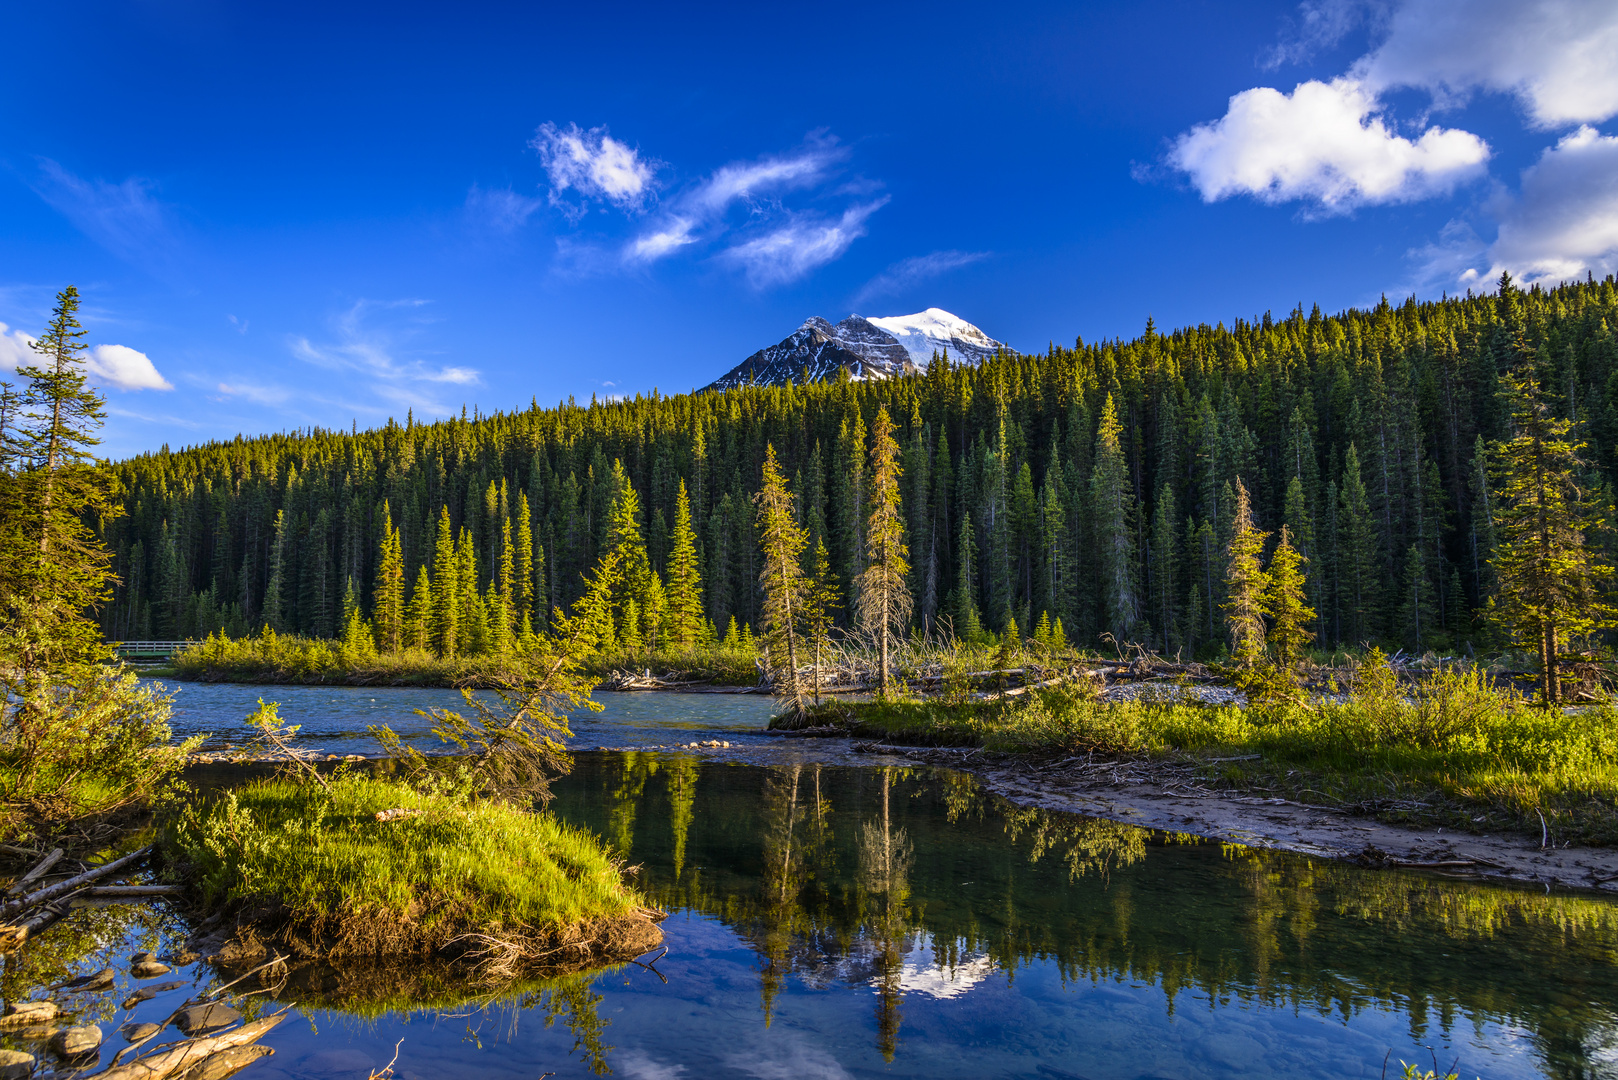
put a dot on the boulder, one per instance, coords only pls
(76, 1042)
(203, 1019)
(29, 1012)
(15, 1065)
(139, 1032)
(149, 969)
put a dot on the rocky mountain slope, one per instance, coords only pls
(865, 348)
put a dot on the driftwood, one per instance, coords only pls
(37, 872)
(190, 1054)
(112, 891)
(62, 887)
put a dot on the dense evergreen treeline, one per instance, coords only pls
(1095, 483)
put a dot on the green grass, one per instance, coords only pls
(455, 867)
(289, 658)
(1456, 754)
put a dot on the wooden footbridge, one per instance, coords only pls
(148, 652)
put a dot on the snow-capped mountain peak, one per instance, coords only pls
(865, 348)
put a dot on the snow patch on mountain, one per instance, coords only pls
(936, 330)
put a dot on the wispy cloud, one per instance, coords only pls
(499, 210)
(803, 244)
(257, 393)
(371, 351)
(593, 165)
(699, 214)
(125, 218)
(908, 273)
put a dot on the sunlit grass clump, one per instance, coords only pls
(440, 866)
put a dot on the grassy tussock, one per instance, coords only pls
(452, 867)
(1456, 752)
(287, 658)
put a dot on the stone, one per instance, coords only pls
(149, 969)
(29, 1012)
(76, 1042)
(227, 1062)
(89, 983)
(142, 958)
(139, 1032)
(15, 1065)
(202, 1019)
(147, 993)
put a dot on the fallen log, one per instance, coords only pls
(189, 1054)
(37, 872)
(61, 887)
(133, 890)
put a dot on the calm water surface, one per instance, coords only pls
(829, 921)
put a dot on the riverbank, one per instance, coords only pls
(1372, 777)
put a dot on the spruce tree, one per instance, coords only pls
(446, 634)
(472, 618)
(53, 570)
(274, 601)
(1359, 576)
(884, 600)
(1553, 583)
(684, 589)
(781, 577)
(525, 588)
(1165, 566)
(418, 620)
(1113, 503)
(1245, 584)
(388, 599)
(1286, 602)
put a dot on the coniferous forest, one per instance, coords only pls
(1093, 484)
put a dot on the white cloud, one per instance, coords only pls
(262, 395)
(1326, 143)
(787, 253)
(125, 368)
(123, 218)
(671, 236)
(114, 365)
(908, 273)
(1565, 221)
(15, 349)
(594, 164)
(1558, 57)
(699, 213)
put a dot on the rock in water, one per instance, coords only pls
(149, 969)
(15, 1065)
(138, 1032)
(76, 1042)
(89, 983)
(202, 1019)
(142, 958)
(147, 993)
(227, 1062)
(29, 1012)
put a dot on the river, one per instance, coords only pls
(830, 920)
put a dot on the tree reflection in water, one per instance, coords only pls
(917, 880)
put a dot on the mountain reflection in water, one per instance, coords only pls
(916, 884)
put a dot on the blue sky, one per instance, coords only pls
(283, 216)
